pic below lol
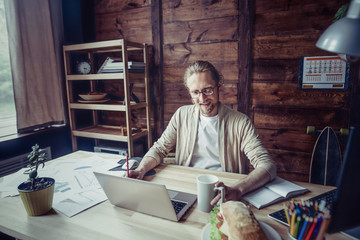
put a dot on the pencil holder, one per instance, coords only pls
(290, 237)
(307, 220)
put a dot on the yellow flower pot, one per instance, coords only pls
(37, 202)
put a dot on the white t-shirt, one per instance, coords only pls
(206, 151)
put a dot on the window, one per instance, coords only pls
(7, 105)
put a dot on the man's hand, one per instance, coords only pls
(138, 174)
(231, 193)
(257, 178)
(145, 165)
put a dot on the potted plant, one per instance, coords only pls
(37, 192)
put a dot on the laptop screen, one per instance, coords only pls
(345, 212)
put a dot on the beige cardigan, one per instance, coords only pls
(237, 136)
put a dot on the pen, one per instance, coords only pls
(127, 165)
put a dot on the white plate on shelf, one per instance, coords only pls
(94, 101)
(270, 233)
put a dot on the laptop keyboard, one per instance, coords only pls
(178, 206)
(328, 197)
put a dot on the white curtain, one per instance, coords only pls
(35, 43)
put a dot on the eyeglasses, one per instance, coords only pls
(206, 91)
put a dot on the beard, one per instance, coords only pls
(207, 108)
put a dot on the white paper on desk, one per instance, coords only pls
(78, 180)
(76, 187)
(62, 166)
(79, 202)
(8, 187)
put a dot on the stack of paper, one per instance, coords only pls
(115, 65)
(76, 187)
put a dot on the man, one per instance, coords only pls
(210, 135)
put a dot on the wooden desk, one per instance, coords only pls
(105, 221)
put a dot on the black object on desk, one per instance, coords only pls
(328, 197)
(121, 162)
(346, 208)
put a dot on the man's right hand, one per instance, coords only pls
(145, 165)
(138, 174)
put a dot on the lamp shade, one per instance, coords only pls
(343, 36)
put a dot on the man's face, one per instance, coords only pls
(198, 83)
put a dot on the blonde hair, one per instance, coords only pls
(202, 66)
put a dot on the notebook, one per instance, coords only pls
(145, 197)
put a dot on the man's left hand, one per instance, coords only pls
(231, 193)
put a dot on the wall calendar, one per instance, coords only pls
(323, 72)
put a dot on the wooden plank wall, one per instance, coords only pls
(194, 30)
(283, 31)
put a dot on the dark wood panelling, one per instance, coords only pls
(276, 34)
(190, 10)
(284, 32)
(281, 70)
(110, 6)
(298, 118)
(286, 47)
(157, 99)
(298, 6)
(244, 57)
(201, 31)
(296, 141)
(289, 95)
(186, 53)
(133, 25)
(301, 19)
(292, 165)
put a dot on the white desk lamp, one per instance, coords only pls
(343, 36)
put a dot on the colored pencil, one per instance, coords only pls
(286, 214)
(311, 229)
(298, 224)
(306, 220)
(323, 228)
(292, 224)
(311, 220)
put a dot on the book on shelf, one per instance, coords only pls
(115, 65)
(275, 191)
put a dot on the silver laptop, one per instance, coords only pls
(145, 197)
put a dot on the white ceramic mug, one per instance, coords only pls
(206, 191)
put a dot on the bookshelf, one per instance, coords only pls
(125, 78)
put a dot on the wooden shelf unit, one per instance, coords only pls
(106, 132)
